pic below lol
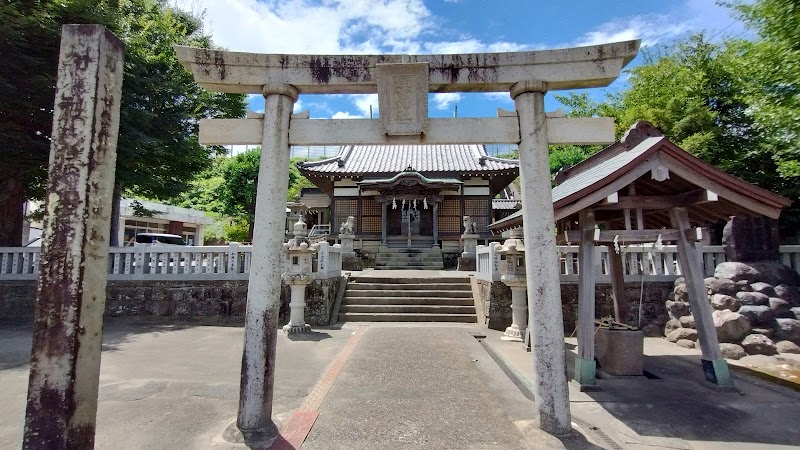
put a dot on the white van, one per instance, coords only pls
(158, 239)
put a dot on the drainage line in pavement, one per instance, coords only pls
(513, 374)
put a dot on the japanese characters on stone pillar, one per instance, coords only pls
(70, 298)
(515, 278)
(298, 277)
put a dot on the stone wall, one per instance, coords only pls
(212, 302)
(495, 299)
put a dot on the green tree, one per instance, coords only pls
(768, 68)
(239, 188)
(29, 44)
(157, 153)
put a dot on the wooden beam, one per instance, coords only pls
(689, 256)
(731, 195)
(489, 130)
(584, 364)
(617, 273)
(627, 236)
(659, 201)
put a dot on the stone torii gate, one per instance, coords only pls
(403, 83)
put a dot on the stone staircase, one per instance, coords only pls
(402, 258)
(374, 299)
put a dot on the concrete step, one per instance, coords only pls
(404, 249)
(417, 317)
(410, 286)
(352, 301)
(410, 267)
(407, 260)
(407, 309)
(404, 293)
(409, 280)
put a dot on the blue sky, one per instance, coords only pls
(447, 26)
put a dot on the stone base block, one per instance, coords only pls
(717, 373)
(351, 263)
(585, 370)
(620, 352)
(466, 263)
(513, 334)
(296, 329)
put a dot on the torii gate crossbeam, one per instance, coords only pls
(402, 83)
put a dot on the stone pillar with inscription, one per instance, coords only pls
(71, 293)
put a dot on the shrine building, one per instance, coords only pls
(411, 195)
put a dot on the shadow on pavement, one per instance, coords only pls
(678, 405)
(314, 336)
(16, 338)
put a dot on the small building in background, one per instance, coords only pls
(185, 222)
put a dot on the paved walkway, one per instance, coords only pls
(396, 386)
(412, 388)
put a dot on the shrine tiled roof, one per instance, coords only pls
(461, 158)
(658, 167)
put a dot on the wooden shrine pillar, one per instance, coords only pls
(715, 368)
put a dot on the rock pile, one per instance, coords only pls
(756, 309)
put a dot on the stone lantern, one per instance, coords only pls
(299, 275)
(514, 277)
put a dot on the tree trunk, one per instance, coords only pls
(12, 199)
(115, 201)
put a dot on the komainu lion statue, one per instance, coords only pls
(348, 226)
(469, 225)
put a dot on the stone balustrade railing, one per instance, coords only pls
(164, 262)
(232, 262)
(639, 261)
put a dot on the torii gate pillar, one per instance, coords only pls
(541, 260)
(404, 77)
(264, 286)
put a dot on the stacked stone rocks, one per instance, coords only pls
(756, 310)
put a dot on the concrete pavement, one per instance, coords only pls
(401, 386)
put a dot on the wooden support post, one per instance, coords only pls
(715, 367)
(71, 294)
(617, 273)
(584, 363)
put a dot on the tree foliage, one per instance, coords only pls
(157, 151)
(229, 189)
(723, 102)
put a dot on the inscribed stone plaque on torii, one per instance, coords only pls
(403, 98)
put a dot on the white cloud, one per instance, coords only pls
(651, 29)
(297, 26)
(691, 16)
(345, 115)
(442, 102)
(364, 101)
(298, 106)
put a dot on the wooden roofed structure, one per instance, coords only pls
(646, 189)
